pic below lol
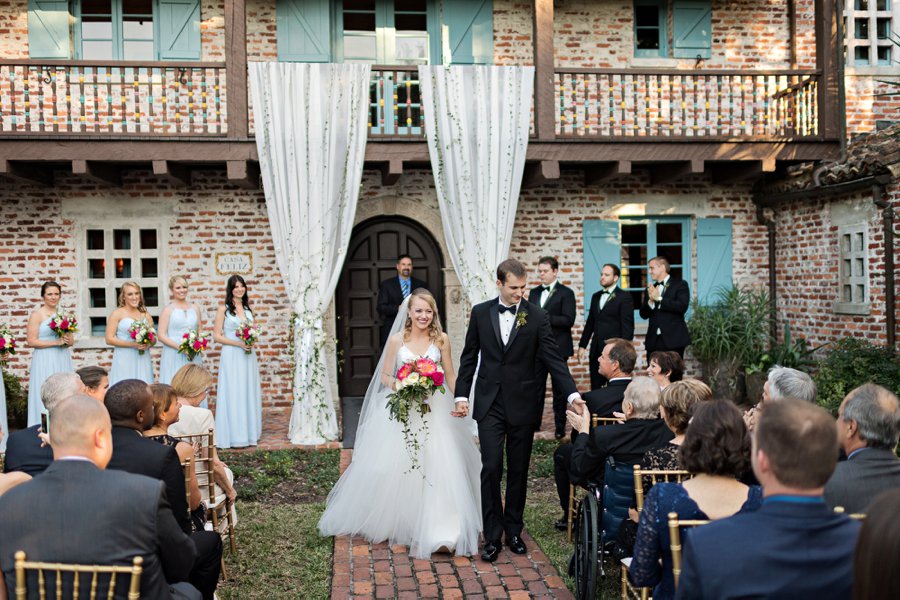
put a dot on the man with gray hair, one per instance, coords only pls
(24, 449)
(868, 428)
(784, 382)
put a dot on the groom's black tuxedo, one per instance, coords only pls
(508, 402)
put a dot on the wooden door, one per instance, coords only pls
(371, 258)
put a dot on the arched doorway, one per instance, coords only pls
(371, 258)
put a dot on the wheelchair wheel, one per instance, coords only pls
(587, 547)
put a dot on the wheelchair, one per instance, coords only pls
(600, 514)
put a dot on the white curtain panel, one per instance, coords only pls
(311, 139)
(477, 122)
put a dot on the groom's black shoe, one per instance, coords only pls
(491, 551)
(516, 544)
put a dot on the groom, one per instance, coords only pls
(517, 350)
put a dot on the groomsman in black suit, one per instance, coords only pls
(665, 303)
(611, 316)
(393, 290)
(558, 301)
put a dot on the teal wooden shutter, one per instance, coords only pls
(692, 28)
(304, 30)
(179, 29)
(470, 32)
(48, 29)
(601, 246)
(713, 257)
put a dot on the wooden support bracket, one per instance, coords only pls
(105, 173)
(605, 171)
(27, 173)
(540, 173)
(391, 171)
(178, 175)
(667, 173)
(243, 173)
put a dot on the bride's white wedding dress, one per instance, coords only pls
(382, 497)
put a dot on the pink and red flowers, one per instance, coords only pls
(193, 343)
(7, 344)
(61, 324)
(142, 333)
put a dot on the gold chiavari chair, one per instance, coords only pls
(570, 514)
(856, 516)
(675, 525)
(22, 566)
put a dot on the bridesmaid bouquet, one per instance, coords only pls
(193, 343)
(247, 333)
(63, 323)
(417, 381)
(7, 344)
(142, 333)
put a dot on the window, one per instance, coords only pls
(676, 28)
(641, 240)
(854, 269)
(650, 29)
(112, 257)
(387, 32)
(869, 31)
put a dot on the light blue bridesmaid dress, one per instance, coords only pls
(180, 322)
(128, 363)
(44, 363)
(4, 429)
(238, 395)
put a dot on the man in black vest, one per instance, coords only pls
(611, 315)
(393, 290)
(558, 301)
(666, 301)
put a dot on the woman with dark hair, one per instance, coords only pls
(877, 548)
(665, 367)
(238, 394)
(51, 350)
(95, 380)
(716, 450)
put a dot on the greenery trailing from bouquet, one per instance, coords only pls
(417, 381)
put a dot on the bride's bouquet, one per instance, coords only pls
(142, 333)
(248, 333)
(7, 344)
(193, 343)
(417, 381)
(63, 323)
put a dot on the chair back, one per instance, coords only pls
(675, 525)
(597, 421)
(187, 468)
(204, 454)
(56, 571)
(618, 492)
(656, 476)
(857, 516)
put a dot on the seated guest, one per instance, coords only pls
(868, 429)
(165, 411)
(25, 451)
(616, 364)
(95, 380)
(794, 546)
(10, 480)
(77, 512)
(700, 389)
(782, 382)
(191, 384)
(130, 406)
(585, 459)
(716, 450)
(665, 367)
(878, 543)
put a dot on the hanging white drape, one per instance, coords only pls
(311, 124)
(477, 121)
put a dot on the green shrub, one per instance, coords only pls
(732, 328)
(852, 363)
(16, 401)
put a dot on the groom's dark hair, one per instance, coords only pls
(508, 267)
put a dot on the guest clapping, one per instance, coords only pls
(177, 318)
(130, 331)
(51, 348)
(95, 380)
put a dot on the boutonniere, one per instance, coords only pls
(611, 296)
(521, 318)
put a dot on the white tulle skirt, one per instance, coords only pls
(382, 497)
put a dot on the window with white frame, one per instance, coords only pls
(854, 268)
(869, 32)
(112, 256)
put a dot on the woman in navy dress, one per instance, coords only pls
(51, 352)
(177, 318)
(131, 360)
(238, 395)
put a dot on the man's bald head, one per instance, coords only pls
(80, 426)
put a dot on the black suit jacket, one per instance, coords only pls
(390, 296)
(616, 320)
(605, 401)
(857, 480)
(626, 443)
(24, 452)
(77, 513)
(136, 454)
(515, 374)
(668, 316)
(560, 307)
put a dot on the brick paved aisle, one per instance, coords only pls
(364, 570)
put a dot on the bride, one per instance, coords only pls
(428, 502)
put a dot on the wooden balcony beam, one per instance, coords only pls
(594, 174)
(30, 173)
(243, 173)
(391, 171)
(178, 175)
(107, 173)
(544, 76)
(540, 173)
(236, 68)
(667, 173)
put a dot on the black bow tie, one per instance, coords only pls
(511, 309)
(604, 292)
(658, 283)
(546, 287)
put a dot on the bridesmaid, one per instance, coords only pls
(51, 352)
(128, 361)
(238, 395)
(177, 318)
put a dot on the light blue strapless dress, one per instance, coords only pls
(4, 428)
(238, 395)
(180, 322)
(44, 363)
(128, 363)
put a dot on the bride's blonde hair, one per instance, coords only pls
(434, 329)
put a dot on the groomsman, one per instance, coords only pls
(665, 303)
(392, 292)
(558, 301)
(611, 316)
